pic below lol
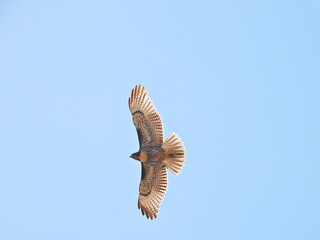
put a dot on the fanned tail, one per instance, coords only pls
(175, 153)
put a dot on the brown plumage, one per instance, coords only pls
(154, 154)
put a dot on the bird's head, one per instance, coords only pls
(136, 155)
(140, 156)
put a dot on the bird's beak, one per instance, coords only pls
(134, 156)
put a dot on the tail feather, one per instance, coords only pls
(175, 153)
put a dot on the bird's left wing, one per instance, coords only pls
(152, 189)
(145, 118)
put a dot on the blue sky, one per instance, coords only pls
(238, 81)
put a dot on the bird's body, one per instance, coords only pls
(154, 154)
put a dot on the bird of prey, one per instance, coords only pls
(154, 154)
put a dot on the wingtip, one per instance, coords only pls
(139, 98)
(137, 91)
(144, 212)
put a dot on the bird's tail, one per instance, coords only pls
(174, 153)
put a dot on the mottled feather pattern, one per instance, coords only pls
(154, 154)
(150, 203)
(140, 103)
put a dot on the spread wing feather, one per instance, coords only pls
(145, 118)
(152, 189)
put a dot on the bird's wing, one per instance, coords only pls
(152, 189)
(145, 118)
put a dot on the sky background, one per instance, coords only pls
(238, 81)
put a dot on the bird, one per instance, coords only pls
(155, 155)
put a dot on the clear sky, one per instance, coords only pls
(238, 81)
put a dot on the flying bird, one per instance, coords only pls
(155, 155)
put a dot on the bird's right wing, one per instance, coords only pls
(152, 189)
(145, 118)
